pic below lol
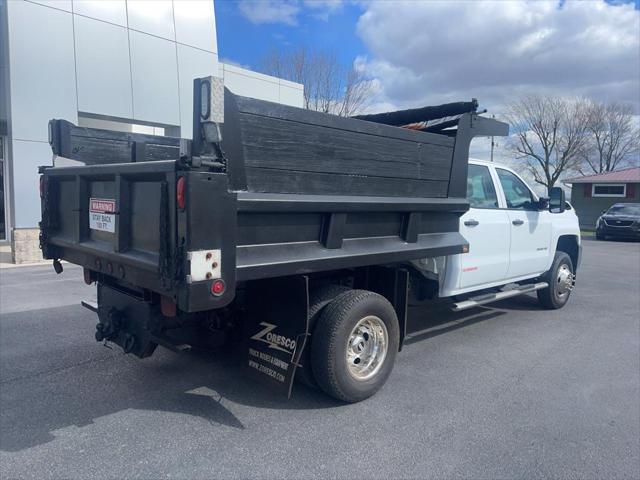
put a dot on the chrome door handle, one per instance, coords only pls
(471, 223)
(518, 222)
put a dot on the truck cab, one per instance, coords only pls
(513, 235)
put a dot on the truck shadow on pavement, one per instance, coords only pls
(436, 318)
(78, 383)
(92, 382)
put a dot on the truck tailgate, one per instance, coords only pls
(118, 219)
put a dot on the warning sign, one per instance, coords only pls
(102, 214)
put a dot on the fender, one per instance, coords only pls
(565, 235)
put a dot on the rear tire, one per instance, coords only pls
(319, 298)
(354, 346)
(560, 279)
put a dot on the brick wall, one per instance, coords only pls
(25, 245)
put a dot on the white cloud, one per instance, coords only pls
(287, 11)
(433, 52)
(323, 9)
(270, 11)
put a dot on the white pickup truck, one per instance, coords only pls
(514, 237)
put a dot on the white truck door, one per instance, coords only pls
(530, 228)
(487, 228)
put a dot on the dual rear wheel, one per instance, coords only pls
(354, 344)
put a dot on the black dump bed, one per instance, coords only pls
(288, 192)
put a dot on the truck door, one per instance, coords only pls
(530, 228)
(486, 227)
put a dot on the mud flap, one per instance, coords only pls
(393, 284)
(276, 330)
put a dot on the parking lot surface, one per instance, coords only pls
(507, 391)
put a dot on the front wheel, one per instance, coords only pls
(355, 344)
(561, 279)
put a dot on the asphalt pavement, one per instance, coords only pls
(508, 391)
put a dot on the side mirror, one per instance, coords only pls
(543, 203)
(556, 200)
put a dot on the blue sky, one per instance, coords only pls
(245, 42)
(427, 52)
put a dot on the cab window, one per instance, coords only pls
(516, 193)
(480, 190)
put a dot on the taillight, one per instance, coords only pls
(89, 276)
(218, 287)
(180, 193)
(41, 186)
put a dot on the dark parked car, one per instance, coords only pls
(622, 220)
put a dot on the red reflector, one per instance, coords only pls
(218, 287)
(180, 194)
(88, 276)
(41, 186)
(167, 306)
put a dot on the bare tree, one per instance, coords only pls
(549, 134)
(613, 138)
(329, 86)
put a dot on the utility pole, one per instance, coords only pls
(493, 143)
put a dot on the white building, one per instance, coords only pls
(119, 64)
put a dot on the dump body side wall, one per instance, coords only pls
(288, 150)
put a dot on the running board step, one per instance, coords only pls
(494, 297)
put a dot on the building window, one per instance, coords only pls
(118, 125)
(609, 190)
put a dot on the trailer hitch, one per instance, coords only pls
(108, 325)
(128, 330)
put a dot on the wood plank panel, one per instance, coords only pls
(96, 146)
(284, 112)
(312, 183)
(274, 143)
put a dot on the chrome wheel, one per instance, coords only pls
(367, 347)
(564, 280)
